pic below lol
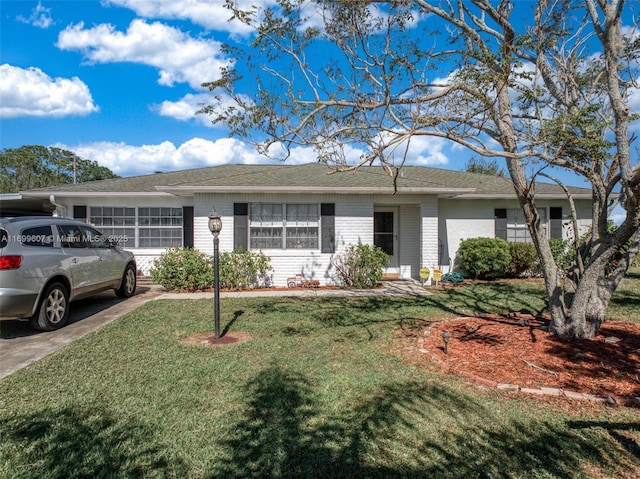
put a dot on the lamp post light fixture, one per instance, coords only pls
(446, 337)
(215, 225)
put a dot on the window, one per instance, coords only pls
(117, 224)
(159, 227)
(140, 227)
(284, 226)
(511, 226)
(71, 236)
(38, 236)
(95, 238)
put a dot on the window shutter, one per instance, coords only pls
(328, 234)
(500, 215)
(187, 226)
(555, 222)
(241, 226)
(80, 213)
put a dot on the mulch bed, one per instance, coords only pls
(518, 350)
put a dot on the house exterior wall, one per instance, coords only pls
(353, 225)
(463, 219)
(429, 246)
(410, 244)
(429, 229)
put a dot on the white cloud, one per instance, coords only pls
(129, 160)
(421, 150)
(426, 151)
(31, 92)
(40, 17)
(185, 109)
(211, 15)
(179, 57)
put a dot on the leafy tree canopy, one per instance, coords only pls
(30, 167)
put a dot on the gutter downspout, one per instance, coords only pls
(60, 211)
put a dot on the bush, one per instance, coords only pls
(183, 269)
(523, 258)
(484, 258)
(244, 269)
(360, 266)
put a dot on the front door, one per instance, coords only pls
(385, 235)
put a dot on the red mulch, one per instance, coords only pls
(518, 350)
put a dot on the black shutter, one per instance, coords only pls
(80, 213)
(555, 223)
(187, 226)
(501, 223)
(241, 226)
(328, 234)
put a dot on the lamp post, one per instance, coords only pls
(215, 225)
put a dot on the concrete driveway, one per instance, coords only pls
(21, 345)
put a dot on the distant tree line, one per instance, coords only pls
(31, 167)
(485, 166)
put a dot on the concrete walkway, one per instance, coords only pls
(20, 345)
(404, 287)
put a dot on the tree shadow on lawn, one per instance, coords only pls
(410, 429)
(490, 297)
(83, 442)
(402, 429)
(338, 312)
(411, 313)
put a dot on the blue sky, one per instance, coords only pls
(115, 83)
(118, 82)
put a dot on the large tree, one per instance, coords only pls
(30, 167)
(544, 85)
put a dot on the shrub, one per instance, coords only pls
(563, 253)
(484, 257)
(523, 258)
(183, 269)
(360, 266)
(242, 269)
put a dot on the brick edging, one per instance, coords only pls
(633, 401)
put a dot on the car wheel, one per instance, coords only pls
(128, 286)
(53, 311)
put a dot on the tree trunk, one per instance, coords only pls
(586, 316)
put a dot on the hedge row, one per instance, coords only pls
(187, 269)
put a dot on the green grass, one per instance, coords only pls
(317, 392)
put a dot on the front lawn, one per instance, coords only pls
(316, 391)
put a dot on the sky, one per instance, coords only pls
(119, 81)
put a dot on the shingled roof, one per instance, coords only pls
(308, 178)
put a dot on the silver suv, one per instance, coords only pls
(47, 262)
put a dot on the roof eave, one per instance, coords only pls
(539, 196)
(85, 194)
(182, 190)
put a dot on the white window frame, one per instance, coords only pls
(282, 220)
(517, 229)
(138, 228)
